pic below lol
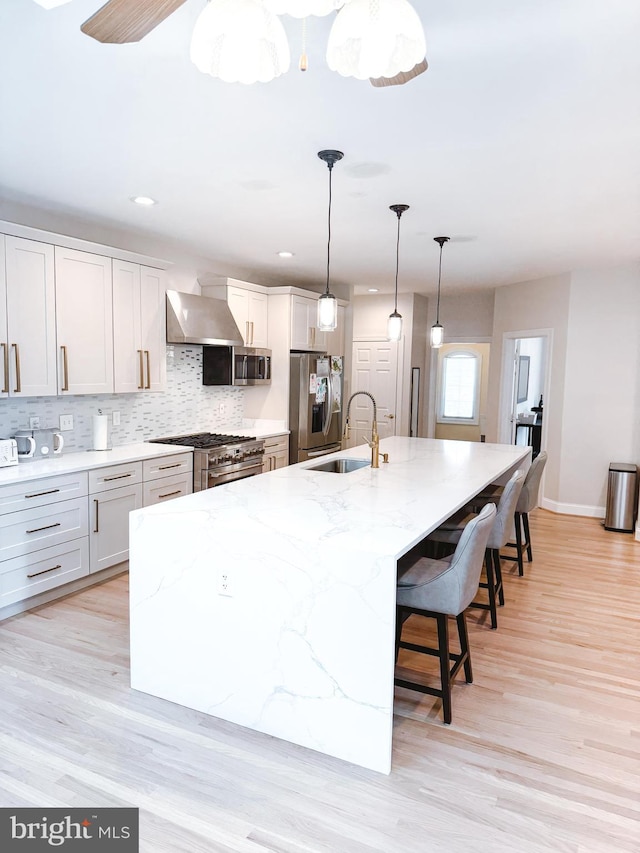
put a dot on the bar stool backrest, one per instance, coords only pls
(528, 499)
(503, 524)
(467, 560)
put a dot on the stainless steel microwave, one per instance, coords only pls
(236, 366)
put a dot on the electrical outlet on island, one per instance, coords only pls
(224, 583)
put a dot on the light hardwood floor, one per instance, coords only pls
(542, 755)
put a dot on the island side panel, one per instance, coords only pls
(302, 648)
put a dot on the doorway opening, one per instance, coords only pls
(524, 397)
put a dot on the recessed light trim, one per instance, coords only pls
(373, 290)
(285, 254)
(143, 200)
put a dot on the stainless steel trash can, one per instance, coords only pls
(621, 497)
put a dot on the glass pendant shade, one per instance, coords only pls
(239, 41)
(327, 313)
(51, 4)
(437, 335)
(394, 326)
(303, 8)
(375, 38)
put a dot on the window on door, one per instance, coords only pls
(459, 387)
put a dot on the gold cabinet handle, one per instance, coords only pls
(46, 527)
(140, 370)
(175, 465)
(18, 387)
(171, 494)
(252, 333)
(148, 385)
(40, 494)
(246, 333)
(65, 369)
(117, 477)
(5, 359)
(96, 529)
(44, 571)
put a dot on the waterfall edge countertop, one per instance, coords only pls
(270, 602)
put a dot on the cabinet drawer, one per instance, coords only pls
(33, 529)
(167, 488)
(167, 466)
(109, 535)
(115, 476)
(25, 576)
(48, 490)
(277, 444)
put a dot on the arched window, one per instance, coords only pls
(459, 397)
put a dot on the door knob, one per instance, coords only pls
(391, 417)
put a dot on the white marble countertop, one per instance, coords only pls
(270, 601)
(84, 460)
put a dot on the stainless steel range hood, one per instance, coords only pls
(193, 319)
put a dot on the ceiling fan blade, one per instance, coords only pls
(402, 77)
(123, 21)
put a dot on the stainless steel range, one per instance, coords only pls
(219, 459)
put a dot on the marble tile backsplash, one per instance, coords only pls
(186, 406)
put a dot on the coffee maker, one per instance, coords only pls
(38, 444)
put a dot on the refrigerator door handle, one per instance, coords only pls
(327, 420)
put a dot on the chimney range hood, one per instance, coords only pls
(193, 319)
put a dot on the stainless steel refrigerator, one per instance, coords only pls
(315, 405)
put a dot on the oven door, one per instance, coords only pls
(228, 473)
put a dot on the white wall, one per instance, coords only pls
(601, 411)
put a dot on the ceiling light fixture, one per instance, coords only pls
(437, 330)
(327, 303)
(51, 4)
(285, 254)
(394, 323)
(143, 200)
(376, 38)
(303, 8)
(240, 41)
(372, 290)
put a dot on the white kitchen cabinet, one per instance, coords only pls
(27, 318)
(167, 478)
(139, 328)
(276, 453)
(43, 535)
(305, 334)
(84, 321)
(251, 313)
(110, 502)
(334, 341)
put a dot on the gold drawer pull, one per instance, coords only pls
(18, 387)
(44, 571)
(40, 494)
(65, 369)
(118, 477)
(171, 494)
(175, 465)
(48, 527)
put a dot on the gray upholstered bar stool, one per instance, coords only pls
(439, 589)
(527, 502)
(451, 531)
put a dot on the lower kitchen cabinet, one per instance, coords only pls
(43, 535)
(276, 453)
(110, 504)
(167, 478)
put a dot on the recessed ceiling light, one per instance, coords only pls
(372, 290)
(144, 200)
(285, 254)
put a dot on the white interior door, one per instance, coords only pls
(375, 368)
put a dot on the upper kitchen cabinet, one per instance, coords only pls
(139, 328)
(305, 334)
(249, 305)
(84, 321)
(27, 318)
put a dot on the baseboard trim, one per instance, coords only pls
(573, 509)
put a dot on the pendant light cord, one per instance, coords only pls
(330, 165)
(439, 277)
(395, 307)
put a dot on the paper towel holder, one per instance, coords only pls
(100, 433)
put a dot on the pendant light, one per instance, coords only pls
(437, 330)
(327, 303)
(394, 323)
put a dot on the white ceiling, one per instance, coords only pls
(521, 142)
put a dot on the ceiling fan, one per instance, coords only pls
(125, 21)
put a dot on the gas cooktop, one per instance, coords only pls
(203, 440)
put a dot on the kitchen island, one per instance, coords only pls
(270, 602)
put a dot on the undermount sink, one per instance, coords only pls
(340, 466)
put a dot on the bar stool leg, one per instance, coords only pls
(519, 548)
(525, 521)
(464, 647)
(445, 671)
